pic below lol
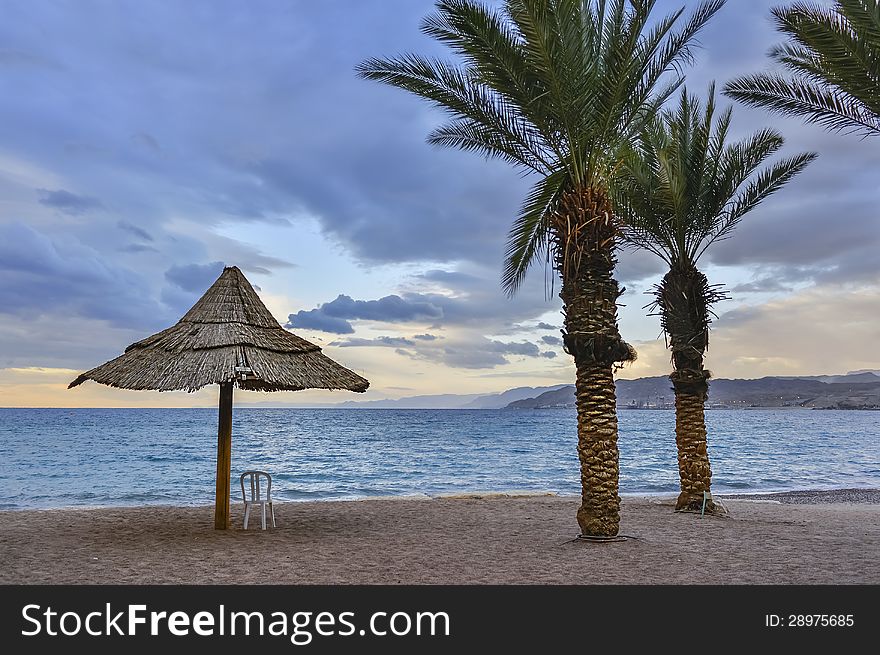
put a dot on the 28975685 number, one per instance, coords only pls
(820, 620)
(810, 620)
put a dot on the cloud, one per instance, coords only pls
(525, 348)
(316, 320)
(783, 237)
(334, 316)
(804, 330)
(140, 233)
(393, 342)
(460, 350)
(546, 326)
(448, 278)
(551, 341)
(391, 308)
(634, 265)
(471, 352)
(68, 202)
(42, 276)
(426, 337)
(549, 354)
(137, 247)
(36, 340)
(801, 334)
(195, 278)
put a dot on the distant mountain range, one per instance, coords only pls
(856, 390)
(453, 401)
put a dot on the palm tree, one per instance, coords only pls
(685, 188)
(833, 54)
(559, 89)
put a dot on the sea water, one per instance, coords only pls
(109, 457)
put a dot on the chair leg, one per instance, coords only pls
(263, 506)
(247, 513)
(272, 507)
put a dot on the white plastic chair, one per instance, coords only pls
(256, 497)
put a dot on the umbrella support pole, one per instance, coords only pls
(224, 457)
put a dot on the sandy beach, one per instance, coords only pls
(791, 538)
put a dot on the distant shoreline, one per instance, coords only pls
(471, 409)
(813, 497)
(859, 496)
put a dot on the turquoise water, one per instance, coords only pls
(105, 457)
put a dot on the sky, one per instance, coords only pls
(145, 145)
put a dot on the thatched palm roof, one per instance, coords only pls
(228, 335)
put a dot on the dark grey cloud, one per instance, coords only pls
(315, 319)
(551, 341)
(473, 353)
(738, 316)
(546, 326)
(525, 348)
(442, 310)
(195, 278)
(29, 338)
(761, 285)
(390, 309)
(549, 354)
(42, 276)
(794, 237)
(634, 265)
(139, 232)
(67, 202)
(470, 301)
(136, 248)
(468, 351)
(449, 278)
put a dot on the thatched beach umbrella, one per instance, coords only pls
(228, 338)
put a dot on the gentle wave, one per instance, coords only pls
(118, 457)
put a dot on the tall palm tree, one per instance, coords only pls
(685, 188)
(833, 54)
(560, 89)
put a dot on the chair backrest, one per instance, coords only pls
(253, 479)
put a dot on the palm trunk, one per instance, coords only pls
(599, 513)
(684, 297)
(584, 246)
(693, 456)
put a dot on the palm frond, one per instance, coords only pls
(820, 104)
(833, 55)
(685, 187)
(762, 187)
(492, 50)
(561, 88)
(457, 92)
(529, 235)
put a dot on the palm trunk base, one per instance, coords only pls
(693, 502)
(597, 522)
